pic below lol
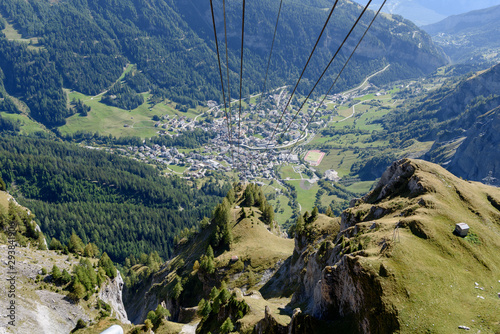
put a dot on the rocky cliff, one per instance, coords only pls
(395, 250)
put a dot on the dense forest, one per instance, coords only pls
(84, 45)
(121, 205)
(34, 77)
(187, 139)
(122, 96)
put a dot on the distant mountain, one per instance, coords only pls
(470, 37)
(84, 45)
(478, 157)
(463, 122)
(424, 12)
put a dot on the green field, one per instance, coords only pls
(360, 187)
(114, 121)
(306, 194)
(127, 69)
(283, 211)
(177, 169)
(27, 125)
(286, 171)
(313, 156)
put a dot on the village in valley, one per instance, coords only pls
(246, 146)
(269, 148)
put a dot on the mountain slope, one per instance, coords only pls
(478, 157)
(122, 205)
(468, 37)
(36, 300)
(428, 11)
(451, 114)
(256, 253)
(85, 45)
(390, 264)
(373, 278)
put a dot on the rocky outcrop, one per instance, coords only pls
(348, 290)
(341, 289)
(111, 293)
(139, 301)
(333, 283)
(300, 324)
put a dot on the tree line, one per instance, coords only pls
(121, 205)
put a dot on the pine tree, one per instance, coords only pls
(224, 293)
(314, 214)
(75, 244)
(161, 313)
(231, 196)
(3, 187)
(77, 291)
(329, 211)
(213, 293)
(250, 201)
(210, 252)
(65, 277)
(299, 225)
(177, 289)
(41, 242)
(148, 324)
(108, 266)
(152, 316)
(243, 213)
(88, 251)
(306, 216)
(204, 308)
(227, 326)
(268, 214)
(56, 273)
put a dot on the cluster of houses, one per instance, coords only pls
(248, 154)
(157, 153)
(175, 122)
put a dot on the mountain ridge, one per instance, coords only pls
(376, 270)
(469, 37)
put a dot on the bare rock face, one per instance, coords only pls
(394, 177)
(111, 293)
(269, 324)
(341, 288)
(347, 290)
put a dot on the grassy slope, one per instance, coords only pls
(112, 120)
(253, 241)
(27, 125)
(433, 273)
(4, 199)
(257, 247)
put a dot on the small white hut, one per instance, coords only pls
(461, 229)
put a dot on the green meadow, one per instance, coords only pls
(108, 120)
